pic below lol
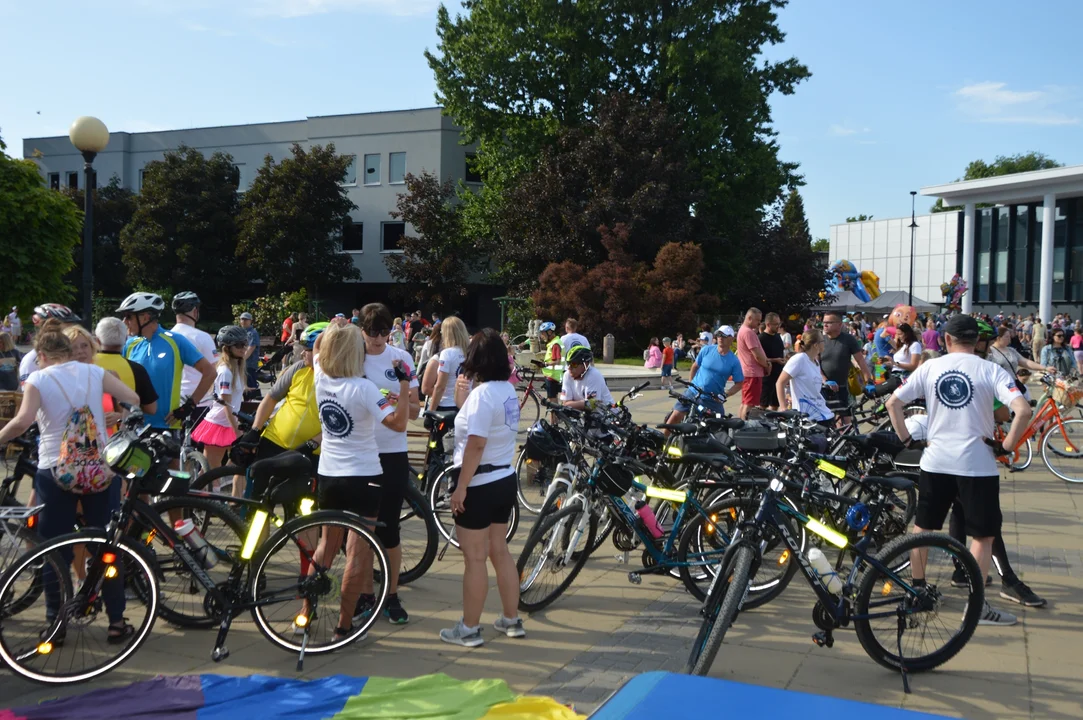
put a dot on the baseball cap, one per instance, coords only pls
(725, 330)
(246, 316)
(705, 336)
(341, 315)
(962, 327)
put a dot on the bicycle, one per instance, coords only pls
(1061, 435)
(529, 399)
(279, 572)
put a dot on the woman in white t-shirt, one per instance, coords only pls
(350, 407)
(218, 429)
(907, 355)
(801, 375)
(50, 396)
(485, 431)
(439, 381)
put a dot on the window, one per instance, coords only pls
(472, 174)
(351, 172)
(54, 181)
(1019, 272)
(372, 169)
(351, 237)
(1036, 254)
(1003, 225)
(396, 168)
(984, 219)
(243, 178)
(73, 180)
(1060, 252)
(391, 233)
(1077, 254)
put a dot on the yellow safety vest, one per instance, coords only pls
(116, 363)
(553, 372)
(298, 419)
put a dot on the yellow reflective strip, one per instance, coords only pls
(674, 451)
(831, 469)
(259, 521)
(678, 496)
(835, 538)
(306, 506)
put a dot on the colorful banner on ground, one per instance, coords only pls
(339, 697)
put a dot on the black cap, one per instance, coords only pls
(962, 327)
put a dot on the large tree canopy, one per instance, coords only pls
(1001, 165)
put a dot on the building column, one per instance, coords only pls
(1045, 287)
(968, 257)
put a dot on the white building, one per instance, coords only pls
(1022, 251)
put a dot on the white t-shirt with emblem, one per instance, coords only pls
(224, 385)
(205, 345)
(491, 411)
(959, 390)
(379, 369)
(350, 411)
(451, 360)
(589, 387)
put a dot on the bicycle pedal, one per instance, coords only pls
(635, 578)
(823, 639)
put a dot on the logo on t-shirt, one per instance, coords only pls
(336, 421)
(511, 413)
(954, 390)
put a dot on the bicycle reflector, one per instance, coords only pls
(109, 558)
(307, 505)
(674, 451)
(831, 469)
(835, 538)
(259, 521)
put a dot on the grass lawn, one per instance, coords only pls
(684, 364)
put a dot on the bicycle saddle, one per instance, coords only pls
(288, 464)
(895, 483)
(883, 441)
(447, 416)
(681, 428)
(783, 414)
(725, 423)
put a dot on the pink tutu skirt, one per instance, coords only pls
(209, 433)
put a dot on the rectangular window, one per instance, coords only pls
(54, 181)
(1019, 271)
(73, 180)
(372, 169)
(396, 168)
(472, 173)
(1060, 252)
(350, 178)
(391, 233)
(1001, 272)
(351, 237)
(984, 220)
(1077, 253)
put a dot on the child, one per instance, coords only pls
(667, 363)
(218, 429)
(398, 336)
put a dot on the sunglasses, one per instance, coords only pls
(374, 333)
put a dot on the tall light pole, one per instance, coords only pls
(89, 136)
(913, 227)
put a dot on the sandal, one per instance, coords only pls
(120, 633)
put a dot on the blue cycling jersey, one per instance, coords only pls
(714, 371)
(164, 356)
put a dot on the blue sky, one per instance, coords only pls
(902, 94)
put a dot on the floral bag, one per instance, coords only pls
(80, 468)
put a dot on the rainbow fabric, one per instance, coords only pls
(338, 697)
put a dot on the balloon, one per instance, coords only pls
(902, 314)
(844, 276)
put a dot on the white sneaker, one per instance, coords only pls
(992, 616)
(511, 628)
(462, 635)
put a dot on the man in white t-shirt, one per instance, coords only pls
(959, 388)
(584, 387)
(46, 311)
(186, 306)
(571, 338)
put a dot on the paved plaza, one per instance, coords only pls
(604, 630)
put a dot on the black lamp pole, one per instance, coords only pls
(90, 184)
(913, 228)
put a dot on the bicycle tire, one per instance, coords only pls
(415, 505)
(970, 614)
(561, 522)
(41, 632)
(260, 580)
(19, 536)
(440, 502)
(173, 573)
(531, 491)
(529, 409)
(196, 463)
(1069, 434)
(731, 589)
(204, 481)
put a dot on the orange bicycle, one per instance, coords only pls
(1061, 443)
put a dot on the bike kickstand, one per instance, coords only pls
(301, 655)
(898, 640)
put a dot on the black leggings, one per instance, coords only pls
(956, 526)
(393, 481)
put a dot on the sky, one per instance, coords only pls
(902, 95)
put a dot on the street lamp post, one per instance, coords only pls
(913, 228)
(89, 136)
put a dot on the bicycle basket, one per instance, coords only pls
(1067, 394)
(615, 479)
(126, 456)
(544, 441)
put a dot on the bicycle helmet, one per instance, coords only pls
(986, 331)
(60, 312)
(308, 337)
(547, 326)
(543, 441)
(185, 302)
(231, 335)
(141, 302)
(580, 354)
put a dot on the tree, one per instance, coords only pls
(435, 264)
(39, 229)
(821, 245)
(183, 235)
(114, 207)
(515, 74)
(292, 219)
(858, 218)
(794, 222)
(1001, 165)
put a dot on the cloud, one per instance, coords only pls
(845, 131)
(993, 102)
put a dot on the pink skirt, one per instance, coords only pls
(209, 433)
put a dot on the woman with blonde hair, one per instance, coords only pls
(439, 381)
(802, 376)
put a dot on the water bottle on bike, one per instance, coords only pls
(201, 549)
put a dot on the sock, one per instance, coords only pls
(507, 620)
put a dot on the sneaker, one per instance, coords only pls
(462, 635)
(992, 616)
(511, 628)
(958, 579)
(395, 612)
(1021, 593)
(365, 605)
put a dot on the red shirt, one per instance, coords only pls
(747, 341)
(667, 355)
(287, 329)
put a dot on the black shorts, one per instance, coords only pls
(978, 496)
(552, 388)
(356, 493)
(768, 396)
(396, 474)
(488, 504)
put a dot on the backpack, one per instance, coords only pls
(80, 468)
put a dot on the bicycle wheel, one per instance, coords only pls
(937, 623)
(533, 478)
(529, 408)
(1062, 450)
(182, 599)
(196, 463)
(220, 476)
(418, 536)
(895, 515)
(440, 502)
(67, 642)
(15, 539)
(721, 610)
(553, 555)
(285, 583)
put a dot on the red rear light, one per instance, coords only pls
(109, 558)
(32, 521)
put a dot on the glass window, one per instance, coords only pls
(1077, 253)
(984, 229)
(1019, 272)
(243, 179)
(73, 180)
(472, 174)
(1060, 252)
(352, 237)
(396, 168)
(391, 233)
(54, 181)
(372, 169)
(1036, 254)
(350, 178)
(1001, 259)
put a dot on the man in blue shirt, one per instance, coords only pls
(164, 355)
(714, 366)
(251, 353)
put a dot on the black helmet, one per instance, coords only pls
(545, 441)
(185, 302)
(231, 335)
(580, 354)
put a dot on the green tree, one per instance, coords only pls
(821, 245)
(435, 264)
(114, 207)
(794, 222)
(1001, 165)
(292, 219)
(39, 229)
(858, 218)
(183, 235)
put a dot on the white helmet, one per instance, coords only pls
(141, 302)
